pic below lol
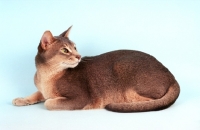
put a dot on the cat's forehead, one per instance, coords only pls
(65, 41)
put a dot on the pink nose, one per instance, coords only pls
(78, 57)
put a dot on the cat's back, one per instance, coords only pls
(124, 63)
(124, 58)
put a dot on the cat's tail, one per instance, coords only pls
(167, 100)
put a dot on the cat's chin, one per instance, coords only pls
(73, 66)
(65, 65)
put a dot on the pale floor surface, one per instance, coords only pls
(183, 115)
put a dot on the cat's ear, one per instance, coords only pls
(66, 33)
(46, 40)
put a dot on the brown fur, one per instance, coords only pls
(122, 80)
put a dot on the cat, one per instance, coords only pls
(119, 81)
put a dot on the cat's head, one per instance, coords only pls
(57, 51)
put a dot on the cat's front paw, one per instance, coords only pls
(20, 102)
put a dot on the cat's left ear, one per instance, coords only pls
(46, 40)
(66, 33)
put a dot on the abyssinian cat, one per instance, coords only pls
(120, 81)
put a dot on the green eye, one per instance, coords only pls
(65, 50)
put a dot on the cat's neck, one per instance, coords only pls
(45, 71)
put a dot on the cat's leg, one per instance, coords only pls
(62, 103)
(32, 99)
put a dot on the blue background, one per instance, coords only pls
(166, 29)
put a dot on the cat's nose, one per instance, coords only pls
(78, 57)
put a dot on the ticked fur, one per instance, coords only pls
(121, 81)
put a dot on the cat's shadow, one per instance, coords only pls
(41, 106)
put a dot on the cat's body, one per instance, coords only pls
(123, 80)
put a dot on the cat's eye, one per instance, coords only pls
(75, 48)
(65, 50)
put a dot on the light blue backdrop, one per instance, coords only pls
(166, 29)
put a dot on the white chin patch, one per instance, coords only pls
(72, 66)
(65, 66)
